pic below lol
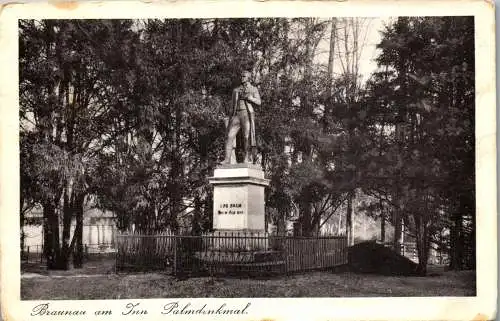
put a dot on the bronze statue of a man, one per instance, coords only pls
(242, 114)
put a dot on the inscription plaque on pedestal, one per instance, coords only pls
(239, 197)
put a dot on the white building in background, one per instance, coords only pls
(99, 230)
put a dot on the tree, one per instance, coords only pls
(428, 83)
(65, 97)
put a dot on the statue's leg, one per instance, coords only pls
(232, 158)
(245, 124)
(252, 138)
(234, 127)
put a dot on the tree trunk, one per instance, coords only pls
(51, 235)
(196, 227)
(473, 240)
(398, 223)
(208, 222)
(382, 226)
(21, 222)
(176, 172)
(23, 236)
(331, 56)
(305, 218)
(63, 262)
(280, 223)
(456, 244)
(396, 242)
(349, 226)
(422, 239)
(78, 236)
(339, 227)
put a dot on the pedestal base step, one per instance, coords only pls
(231, 263)
(257, 268)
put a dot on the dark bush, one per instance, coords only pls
(370, 257)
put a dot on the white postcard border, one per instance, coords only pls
(481, 307)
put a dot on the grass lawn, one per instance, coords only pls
(89, 285)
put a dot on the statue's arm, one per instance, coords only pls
(234, 101)
(255, 98)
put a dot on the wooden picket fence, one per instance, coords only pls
(228, 253)
(142, 252)
(315, 253)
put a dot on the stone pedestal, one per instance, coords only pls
(239, 198)
(239, 241)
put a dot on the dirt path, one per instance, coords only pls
(38, 275)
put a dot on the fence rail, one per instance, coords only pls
(228, 253)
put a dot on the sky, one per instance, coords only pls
(369, 35)
(370, 52)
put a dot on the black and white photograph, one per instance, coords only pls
(246, 157)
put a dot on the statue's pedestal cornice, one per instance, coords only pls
(241, 173)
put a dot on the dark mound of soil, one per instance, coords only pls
(370, 257)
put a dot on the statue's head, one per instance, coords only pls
(245, 76)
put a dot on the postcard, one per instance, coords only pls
(276, 160)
